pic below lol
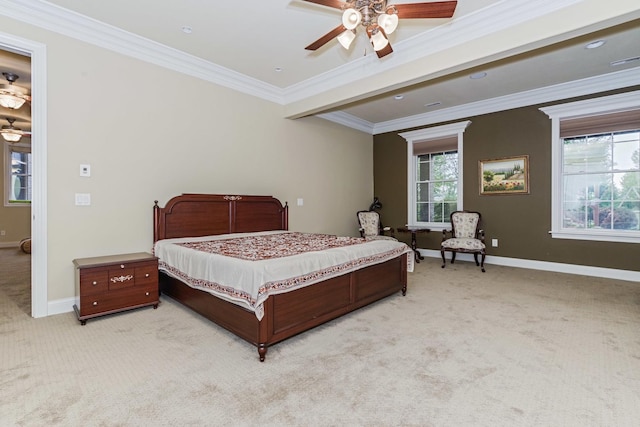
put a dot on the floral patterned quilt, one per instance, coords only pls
(246, 268)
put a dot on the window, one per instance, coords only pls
(434, 165)
(18, 175)
(596, 172)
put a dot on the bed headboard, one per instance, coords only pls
(194, 215)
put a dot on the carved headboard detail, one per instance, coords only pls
(194, 215)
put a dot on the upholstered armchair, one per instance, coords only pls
(465, 236)
(371, 228)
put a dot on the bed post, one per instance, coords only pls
(156, 221)
(285, 217)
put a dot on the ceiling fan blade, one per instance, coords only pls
(327, 37)
(331, 3)
(438, 9)
(385, 51)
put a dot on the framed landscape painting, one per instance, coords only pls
(507, 175)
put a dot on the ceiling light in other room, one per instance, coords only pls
(187, 29)
(398, 97)
(10, 133)
(12, 96)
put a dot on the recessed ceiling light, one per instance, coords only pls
(278, 69)
(398, 97)
(479, 75)
(433, 104)
(187, 30)
(595, 44)
(624, 61)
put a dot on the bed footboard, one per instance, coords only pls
(291, 313)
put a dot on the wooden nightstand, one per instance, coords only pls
(110, 284)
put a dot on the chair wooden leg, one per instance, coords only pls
(482, 263)
(443, 260)
(475, 258)
(453, 257)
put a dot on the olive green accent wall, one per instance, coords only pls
(521, 222)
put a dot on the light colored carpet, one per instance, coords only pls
(509, 347)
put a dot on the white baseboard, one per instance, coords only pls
(63, 305)
(611, 273)
(9, 244)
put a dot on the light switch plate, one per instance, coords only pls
(83, 199)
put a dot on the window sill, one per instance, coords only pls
(630, 237)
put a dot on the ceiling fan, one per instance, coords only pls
(378, 18)
(12, 134)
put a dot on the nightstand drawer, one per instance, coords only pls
(122, 278)
(123, 299)
(146, 274)
(94, 282)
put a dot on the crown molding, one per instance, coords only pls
(66, 22)
(588, 86)
(54, 18)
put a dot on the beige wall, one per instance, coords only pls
(150, 133)
(521, 223)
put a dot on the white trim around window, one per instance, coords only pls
(588, 108)
(421, 136)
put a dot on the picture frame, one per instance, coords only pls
(505, 175)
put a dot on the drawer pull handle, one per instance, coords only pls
(95, 303)
(147, 293)
(121, 278)
(121, 265)
(94, 283)
(147, 275)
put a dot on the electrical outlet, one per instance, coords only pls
(300, 202)
(2, 233)
(494, 243)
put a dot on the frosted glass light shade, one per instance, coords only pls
(388, 22)
(379, 41)
(10, 135)
(346, 38)
(11, 101)
(351, 18)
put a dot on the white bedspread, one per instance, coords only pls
(250, 282)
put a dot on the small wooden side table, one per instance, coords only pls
(110, 284)
(414, 231)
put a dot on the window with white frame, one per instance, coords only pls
(434, 181)
(596, 169)
(18, 169)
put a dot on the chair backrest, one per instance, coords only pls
(465, 224)
(369, 223)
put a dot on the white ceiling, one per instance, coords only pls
(522, 45)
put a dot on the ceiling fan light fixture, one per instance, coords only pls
(351, 18)
(378, 39)
(346, 38)
(11, 134)
(388, 22)
(10, 101)
(12, 96)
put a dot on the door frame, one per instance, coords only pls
(39, 271)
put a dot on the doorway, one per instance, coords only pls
(37, 54)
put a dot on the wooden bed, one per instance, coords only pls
(286, 314)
